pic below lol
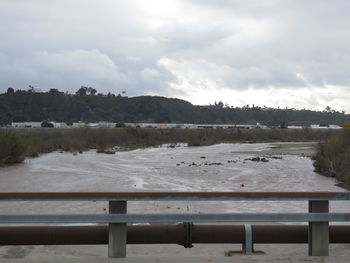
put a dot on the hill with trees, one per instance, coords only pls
(88, 105)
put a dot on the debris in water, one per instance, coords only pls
(109, 152)
(215, 164)
(257, 159)
(275, 157)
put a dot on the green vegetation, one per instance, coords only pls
(32, 142)
(12, 147)
(87, 106)
(333, 157)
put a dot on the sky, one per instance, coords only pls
(274, 53)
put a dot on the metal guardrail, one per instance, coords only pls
(172, 196)
(318, 216)
(174, 218)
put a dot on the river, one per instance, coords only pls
(221, 167)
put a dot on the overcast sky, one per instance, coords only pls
(292, 53)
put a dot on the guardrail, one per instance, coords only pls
(318, 215)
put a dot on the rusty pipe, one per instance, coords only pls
(183, 234)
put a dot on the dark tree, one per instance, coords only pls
(92, 91)
(10, 90)
(54, 91)
(284, 125)
(82, 91)
(31, 88)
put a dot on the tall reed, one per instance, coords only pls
(333, 156)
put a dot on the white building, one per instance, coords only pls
(61, 125)
(105, 124)
(295, 127)
(79, 125)
(322, 127)
(26, 124)
(336, 127)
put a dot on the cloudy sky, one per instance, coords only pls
(292, 53)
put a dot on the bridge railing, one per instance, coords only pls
(318, 215)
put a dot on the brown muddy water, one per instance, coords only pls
(222, 167)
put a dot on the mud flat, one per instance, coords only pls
(284, 148)
(222, 167)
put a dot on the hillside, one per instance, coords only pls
(22, 105)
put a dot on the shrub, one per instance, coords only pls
(46, 124)
(333, 156)
(12, 147)
(120, 125)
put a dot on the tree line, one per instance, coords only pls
(88, 105)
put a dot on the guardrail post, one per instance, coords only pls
(247, 246)
(117, 231)
(318, 231)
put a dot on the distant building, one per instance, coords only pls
(325, 127)
(79, 124)
(93, 125)
(26, 124)
(36, 90)
(295, 127)
(336, 127)
(105, 124)
(61, 125)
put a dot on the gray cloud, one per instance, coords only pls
(178, 48)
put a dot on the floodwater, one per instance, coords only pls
(222, 167)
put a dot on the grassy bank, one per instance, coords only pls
(333, 157)
(32, 142)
